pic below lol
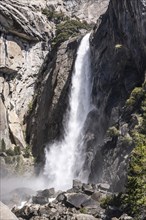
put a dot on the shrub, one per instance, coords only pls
(126, 140)
(83, 210)
(113, 132)
(67, 29)
(17, 150)
(10, 152)
(27, 152)
(54, 16)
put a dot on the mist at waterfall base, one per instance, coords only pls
(65, 158)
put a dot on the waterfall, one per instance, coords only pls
(64, 159)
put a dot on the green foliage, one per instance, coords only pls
(67, 29)
(30, 106)
(113, 132)
(17, 150)
(27, 152)
(54, 16)
(83, 210)
(10, 152)
(105, 202)
(112, 200)
(19, 164)
(136, 95)
(13, 152)
(65, 26)
(126, 140)
(9, 160)
(135, 197)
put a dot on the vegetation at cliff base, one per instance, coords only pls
(135, 197)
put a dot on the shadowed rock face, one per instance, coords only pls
(118, 59)
(45, 123)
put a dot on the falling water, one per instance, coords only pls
(64, 159)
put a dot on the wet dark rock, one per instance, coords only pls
(40, 200)
(61, 197)
(112, 211)
(49, 193)
(75, 199)
(88, 189)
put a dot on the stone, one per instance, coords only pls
(5, 213)
(88, 189)
(40, 200)
(61, 197)
(84, 217)
(113, 211)
(125, 217)
(49, 193)
(90, 203)
(77, 184)
(104, 186)
(96, 196)
(75, 199)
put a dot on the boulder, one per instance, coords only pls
(40, 200)
(5, 213)
(113, 211)
(96, 195)
(49, 193)
(104, 186)
(26, 211)
(84, 217)
(61, 197)
(125, 217)
(90, 203)
(88, 189)
(77, 185)
(75, 199)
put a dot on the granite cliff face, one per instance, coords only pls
(118, 59)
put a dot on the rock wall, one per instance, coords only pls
(118, 67)
(24, 42)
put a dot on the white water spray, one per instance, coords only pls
(64, 159)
